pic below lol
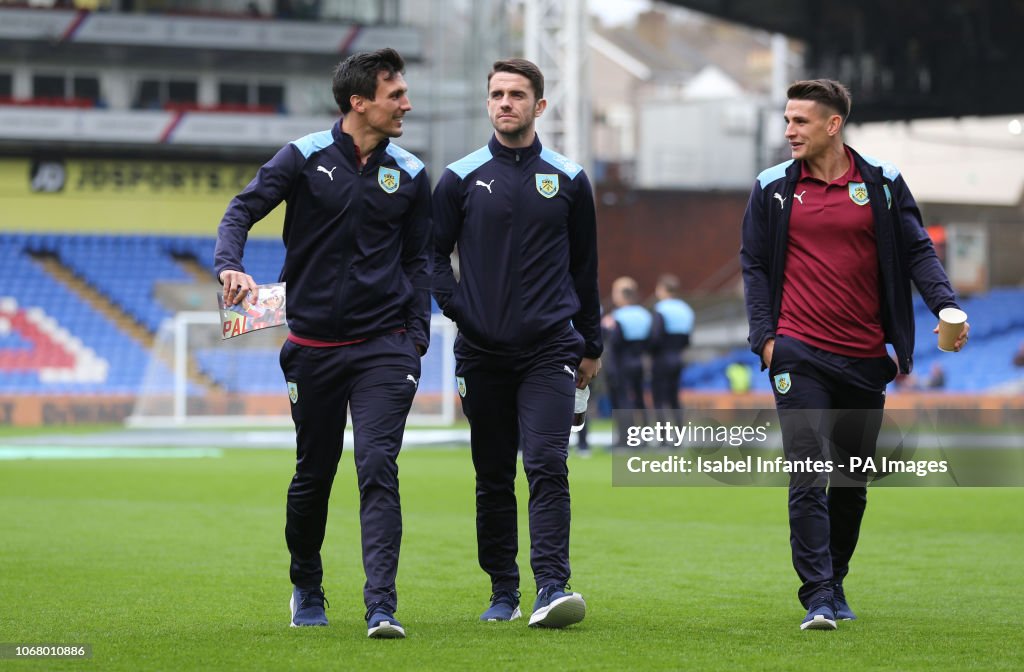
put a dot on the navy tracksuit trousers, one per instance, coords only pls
(666, 369)
(376, 380)
(522, 401)
(629, 368)
(830, 409)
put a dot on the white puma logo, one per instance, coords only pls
(330, 173)
(412, 379)
(800, 196)
(568, 369)
(485, 185)
(782, 201)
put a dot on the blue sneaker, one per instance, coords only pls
(307, 606)
(821, 615)
(381, 622)
(556, 608)
(504, 607)
(843, 611)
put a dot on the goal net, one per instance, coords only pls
(196, 379)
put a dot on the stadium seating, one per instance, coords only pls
(72, 349)
(997, 331)
(52, 341)
(258, 371)
(126, 270)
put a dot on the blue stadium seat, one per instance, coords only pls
(126, 269)
(25, 281)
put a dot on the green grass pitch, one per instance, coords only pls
(166, 564)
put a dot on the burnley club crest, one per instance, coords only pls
(388, 179)
(547, 185)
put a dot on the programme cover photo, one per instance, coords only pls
(265, 309)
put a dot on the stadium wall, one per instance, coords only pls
(123, 196)
(31, 411)
(694, 235)
(56, 410)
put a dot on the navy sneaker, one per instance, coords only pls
(557, 608)
(307, 606)
(381, 622)
(504, 607)
(821, 615)
(843, 611)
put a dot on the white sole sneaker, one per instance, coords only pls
(291, 605)
(560, 613)
(386, 630)
(517, 614)
(819, 623)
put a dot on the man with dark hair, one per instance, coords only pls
(831, 243)
(358, 75)
(671, 324)
(357, 268)
(528, 312)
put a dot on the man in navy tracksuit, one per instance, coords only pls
(528, 313)
(628, 340)
(671, 324)
(831, 243)
(357, 268)
(627, 329)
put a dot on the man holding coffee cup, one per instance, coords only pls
(831, 242)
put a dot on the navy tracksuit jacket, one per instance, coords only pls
(357, 268)
(528, 310)
(670, 335)
(628, 343)
(824, 394)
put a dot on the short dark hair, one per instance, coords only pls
(520, 66)
(827, 92)
(357, 75)
(669, 283)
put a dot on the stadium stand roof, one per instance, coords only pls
(904, 60)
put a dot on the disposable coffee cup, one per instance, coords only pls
(579, 411)
(951, 323)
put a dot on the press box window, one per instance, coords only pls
(155, 93)
(270, 94)
(86, 87)
(149, 95)
(242, 93)
(48, 86)
(234, 93)
(6, 85)
(182, 92)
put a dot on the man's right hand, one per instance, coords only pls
(586, 370)
(767, 351)
(237, 286)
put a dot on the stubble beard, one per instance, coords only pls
(515, 133)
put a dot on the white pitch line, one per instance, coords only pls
(70, 453)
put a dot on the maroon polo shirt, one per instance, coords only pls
(830, 294)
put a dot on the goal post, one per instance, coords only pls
(195, 379)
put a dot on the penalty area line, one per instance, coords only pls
(71, 453)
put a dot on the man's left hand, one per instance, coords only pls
(961, 340)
